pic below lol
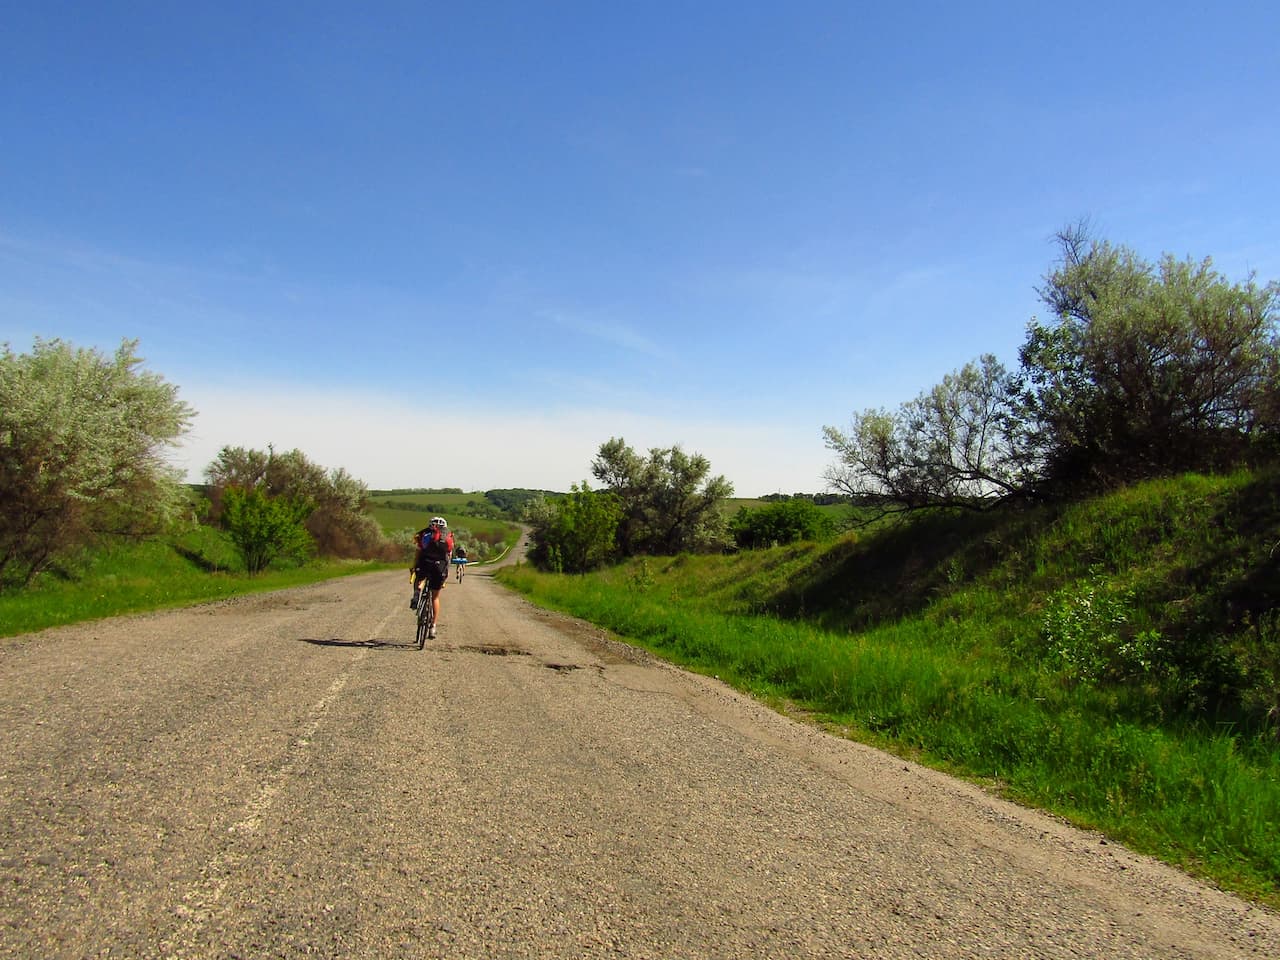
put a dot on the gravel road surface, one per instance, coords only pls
(286, 775)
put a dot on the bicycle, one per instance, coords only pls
(426, 613)
(461, 564)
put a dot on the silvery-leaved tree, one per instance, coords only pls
(670, 502)
(1147, 369)
(83, 443)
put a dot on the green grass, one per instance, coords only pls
(119, 578)
(732, 505)
(928, 639)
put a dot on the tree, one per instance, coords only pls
(575, 533)
(265, 528)
(83, 439)
(1146, 368)
(338, 521)
(954, 445)
(668, 500)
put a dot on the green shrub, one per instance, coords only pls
(1088, 633)
(266, 528)
(774, 524)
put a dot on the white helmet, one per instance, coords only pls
(437, 522)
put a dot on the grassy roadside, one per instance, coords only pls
(200, 565)
(929, 641)
(119, 578)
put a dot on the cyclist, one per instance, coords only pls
(434, 543)
(459, 559)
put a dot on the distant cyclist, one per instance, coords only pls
(460, 559)
(431, 564)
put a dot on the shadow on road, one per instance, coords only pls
(375, 643)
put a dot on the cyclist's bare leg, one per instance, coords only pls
(435, 605)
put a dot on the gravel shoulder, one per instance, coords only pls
(286, 775)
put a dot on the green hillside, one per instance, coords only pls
(1116, 661)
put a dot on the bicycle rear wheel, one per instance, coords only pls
(426, 615)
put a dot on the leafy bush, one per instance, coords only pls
(1087, 632)
(338, 521)
(670, 502)
(781, 522)
(954, 445)
(575, 533)
(1148, 369)
(266, 528)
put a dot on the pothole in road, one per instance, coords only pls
(498, 650)
(495, 650)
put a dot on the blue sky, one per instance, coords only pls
(465, 243)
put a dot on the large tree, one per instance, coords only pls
(1146, 368)
(954, 445)
(670, 503)
(83, 444)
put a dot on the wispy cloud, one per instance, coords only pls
(611, 332)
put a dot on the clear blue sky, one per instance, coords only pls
(465, 243)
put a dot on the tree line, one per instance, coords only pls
(1143, 369)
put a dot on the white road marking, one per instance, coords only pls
(199, 901)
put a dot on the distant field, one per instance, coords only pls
(734, 504)
(450, 501)
(391, 520)
(393, 514)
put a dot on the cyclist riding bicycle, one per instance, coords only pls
(459, 559)
(431, 564)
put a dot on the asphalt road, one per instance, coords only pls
(288, 776)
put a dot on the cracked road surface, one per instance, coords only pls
(286, 775)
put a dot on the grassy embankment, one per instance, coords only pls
(128, 577)
(196, 566)
(960, 641)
